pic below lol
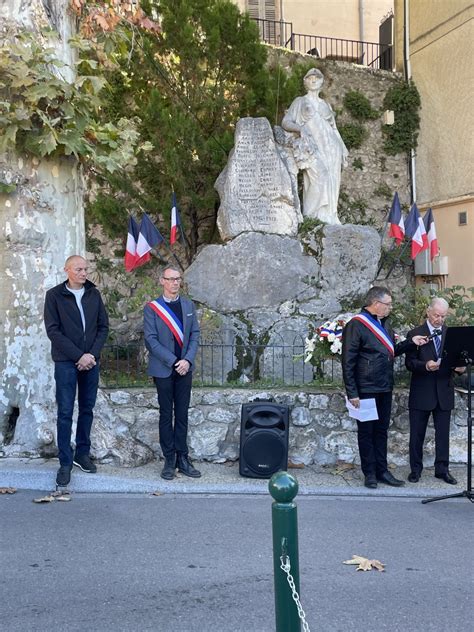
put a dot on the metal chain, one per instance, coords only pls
(286, 568)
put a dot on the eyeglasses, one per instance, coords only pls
(387, 304)
(172, 279)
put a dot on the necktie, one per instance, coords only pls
(437, 341)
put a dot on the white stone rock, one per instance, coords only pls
(255, 188)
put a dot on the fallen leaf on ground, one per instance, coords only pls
(364, 564)
(295, 466)
(341, 467)
(7, 490)
(157, 493)
(44, 499)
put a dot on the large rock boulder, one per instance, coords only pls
(253, 270)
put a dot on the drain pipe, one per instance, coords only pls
(361, 21)
(407, 65)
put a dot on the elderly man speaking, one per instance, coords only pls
(368, 351)
(431, 393)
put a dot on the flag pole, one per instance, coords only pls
(397, 260)
(382, 237)
(167, 245)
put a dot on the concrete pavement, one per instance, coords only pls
(39, 474)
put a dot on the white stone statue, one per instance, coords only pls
(319, 150)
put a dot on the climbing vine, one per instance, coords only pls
(404, 99)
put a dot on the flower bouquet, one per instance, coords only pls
(325, 341)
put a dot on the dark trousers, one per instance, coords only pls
(418, 423)
(372, 436)
(174, 392)
(68, 381)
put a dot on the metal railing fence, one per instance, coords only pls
(230, 363)
(372, 54)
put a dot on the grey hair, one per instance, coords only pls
(437, 300)
(376, 293)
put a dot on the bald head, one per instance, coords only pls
(75, 267)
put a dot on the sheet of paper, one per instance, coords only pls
(366, 412)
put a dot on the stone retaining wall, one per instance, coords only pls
(321, 432)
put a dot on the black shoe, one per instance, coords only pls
(168, 471)
(447, 478)
(370, 481)
(186, 467)
(84, 462)
(413, 477)
(389, 479)
(63, 476)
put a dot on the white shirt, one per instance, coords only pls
(78, 294)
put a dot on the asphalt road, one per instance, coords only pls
(204, 564)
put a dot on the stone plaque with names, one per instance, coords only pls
(255, 188)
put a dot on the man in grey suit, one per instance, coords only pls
(172, 338)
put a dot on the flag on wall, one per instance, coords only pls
(149, 237)
(131, 247)
(175, 220)
(395, 219)
(415, 230)
(428, 221)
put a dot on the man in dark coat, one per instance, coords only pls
(431, 393)
(77, 325)
(368, 352)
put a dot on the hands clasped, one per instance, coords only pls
(86, 362)
(182, 367)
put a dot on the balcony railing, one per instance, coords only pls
(226, 362)
(377, 56)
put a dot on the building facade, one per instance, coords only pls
(441, 51)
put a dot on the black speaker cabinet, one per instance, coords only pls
(263, 439)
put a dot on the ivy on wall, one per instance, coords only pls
(404, 99)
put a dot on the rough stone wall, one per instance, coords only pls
(125, 430)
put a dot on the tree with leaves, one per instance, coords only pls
(189, 84)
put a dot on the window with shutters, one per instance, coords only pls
(265, 10)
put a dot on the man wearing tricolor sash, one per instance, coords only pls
(368, 352)
(172, 337)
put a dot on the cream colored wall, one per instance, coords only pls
(456, 242)
(333, 18)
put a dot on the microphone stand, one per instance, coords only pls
(467, 493)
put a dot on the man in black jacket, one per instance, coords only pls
(77, 325)
(368, 351)
(431, 392)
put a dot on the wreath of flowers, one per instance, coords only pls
(326, 340)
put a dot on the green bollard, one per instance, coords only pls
(283, 488)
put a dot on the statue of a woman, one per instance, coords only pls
(319, 151)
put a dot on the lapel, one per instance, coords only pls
(186, 324)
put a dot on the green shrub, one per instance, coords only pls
(358, 105)
(353, 134)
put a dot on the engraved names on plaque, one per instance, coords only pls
(255, 188)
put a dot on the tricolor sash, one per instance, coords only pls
(378, 330)
(161, 309)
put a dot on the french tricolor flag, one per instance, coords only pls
(428, 221)
(395, 219)
(175, 220)
(415, 230)
(148, 237)
(131, 247)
